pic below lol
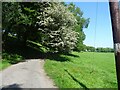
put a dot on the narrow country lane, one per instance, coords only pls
(29, 74)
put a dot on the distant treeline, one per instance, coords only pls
(99, 49)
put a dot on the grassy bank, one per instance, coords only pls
(4, 64)
(83, 70)
(9, 59)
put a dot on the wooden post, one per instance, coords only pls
(115, 19)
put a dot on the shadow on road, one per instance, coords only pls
(12, 87)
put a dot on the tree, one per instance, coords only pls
(90, 49)
(19, 19)
(9, 15)
(58, 33)
(101, 49)
(81, 23)
(48, 23)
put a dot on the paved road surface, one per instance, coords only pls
(29, 74)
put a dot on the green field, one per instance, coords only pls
(82, 70)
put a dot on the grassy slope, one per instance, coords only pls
(4, 64)
(83, 70)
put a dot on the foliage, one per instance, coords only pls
(58, 33)
(11, 58)
(19, 19)
(90, 49)
(37, 46)
(81, 23)
(4, 64)
(83, 70)
(55, 25)
(100, 49)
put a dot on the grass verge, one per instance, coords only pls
(4, 64)
(83, 70)
(9, 59)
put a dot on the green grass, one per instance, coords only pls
(83, 70)
(9, 59)
(4, 64)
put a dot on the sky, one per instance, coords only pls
(99, 31)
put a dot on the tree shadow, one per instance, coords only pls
(12, 87)
(80, 83)
(25, 51)
(13, 46)
(56, 57)
(72, 55)
(31, 53)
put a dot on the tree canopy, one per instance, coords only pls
(55, 25)
(81, 23)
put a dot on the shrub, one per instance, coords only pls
(12, 58)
